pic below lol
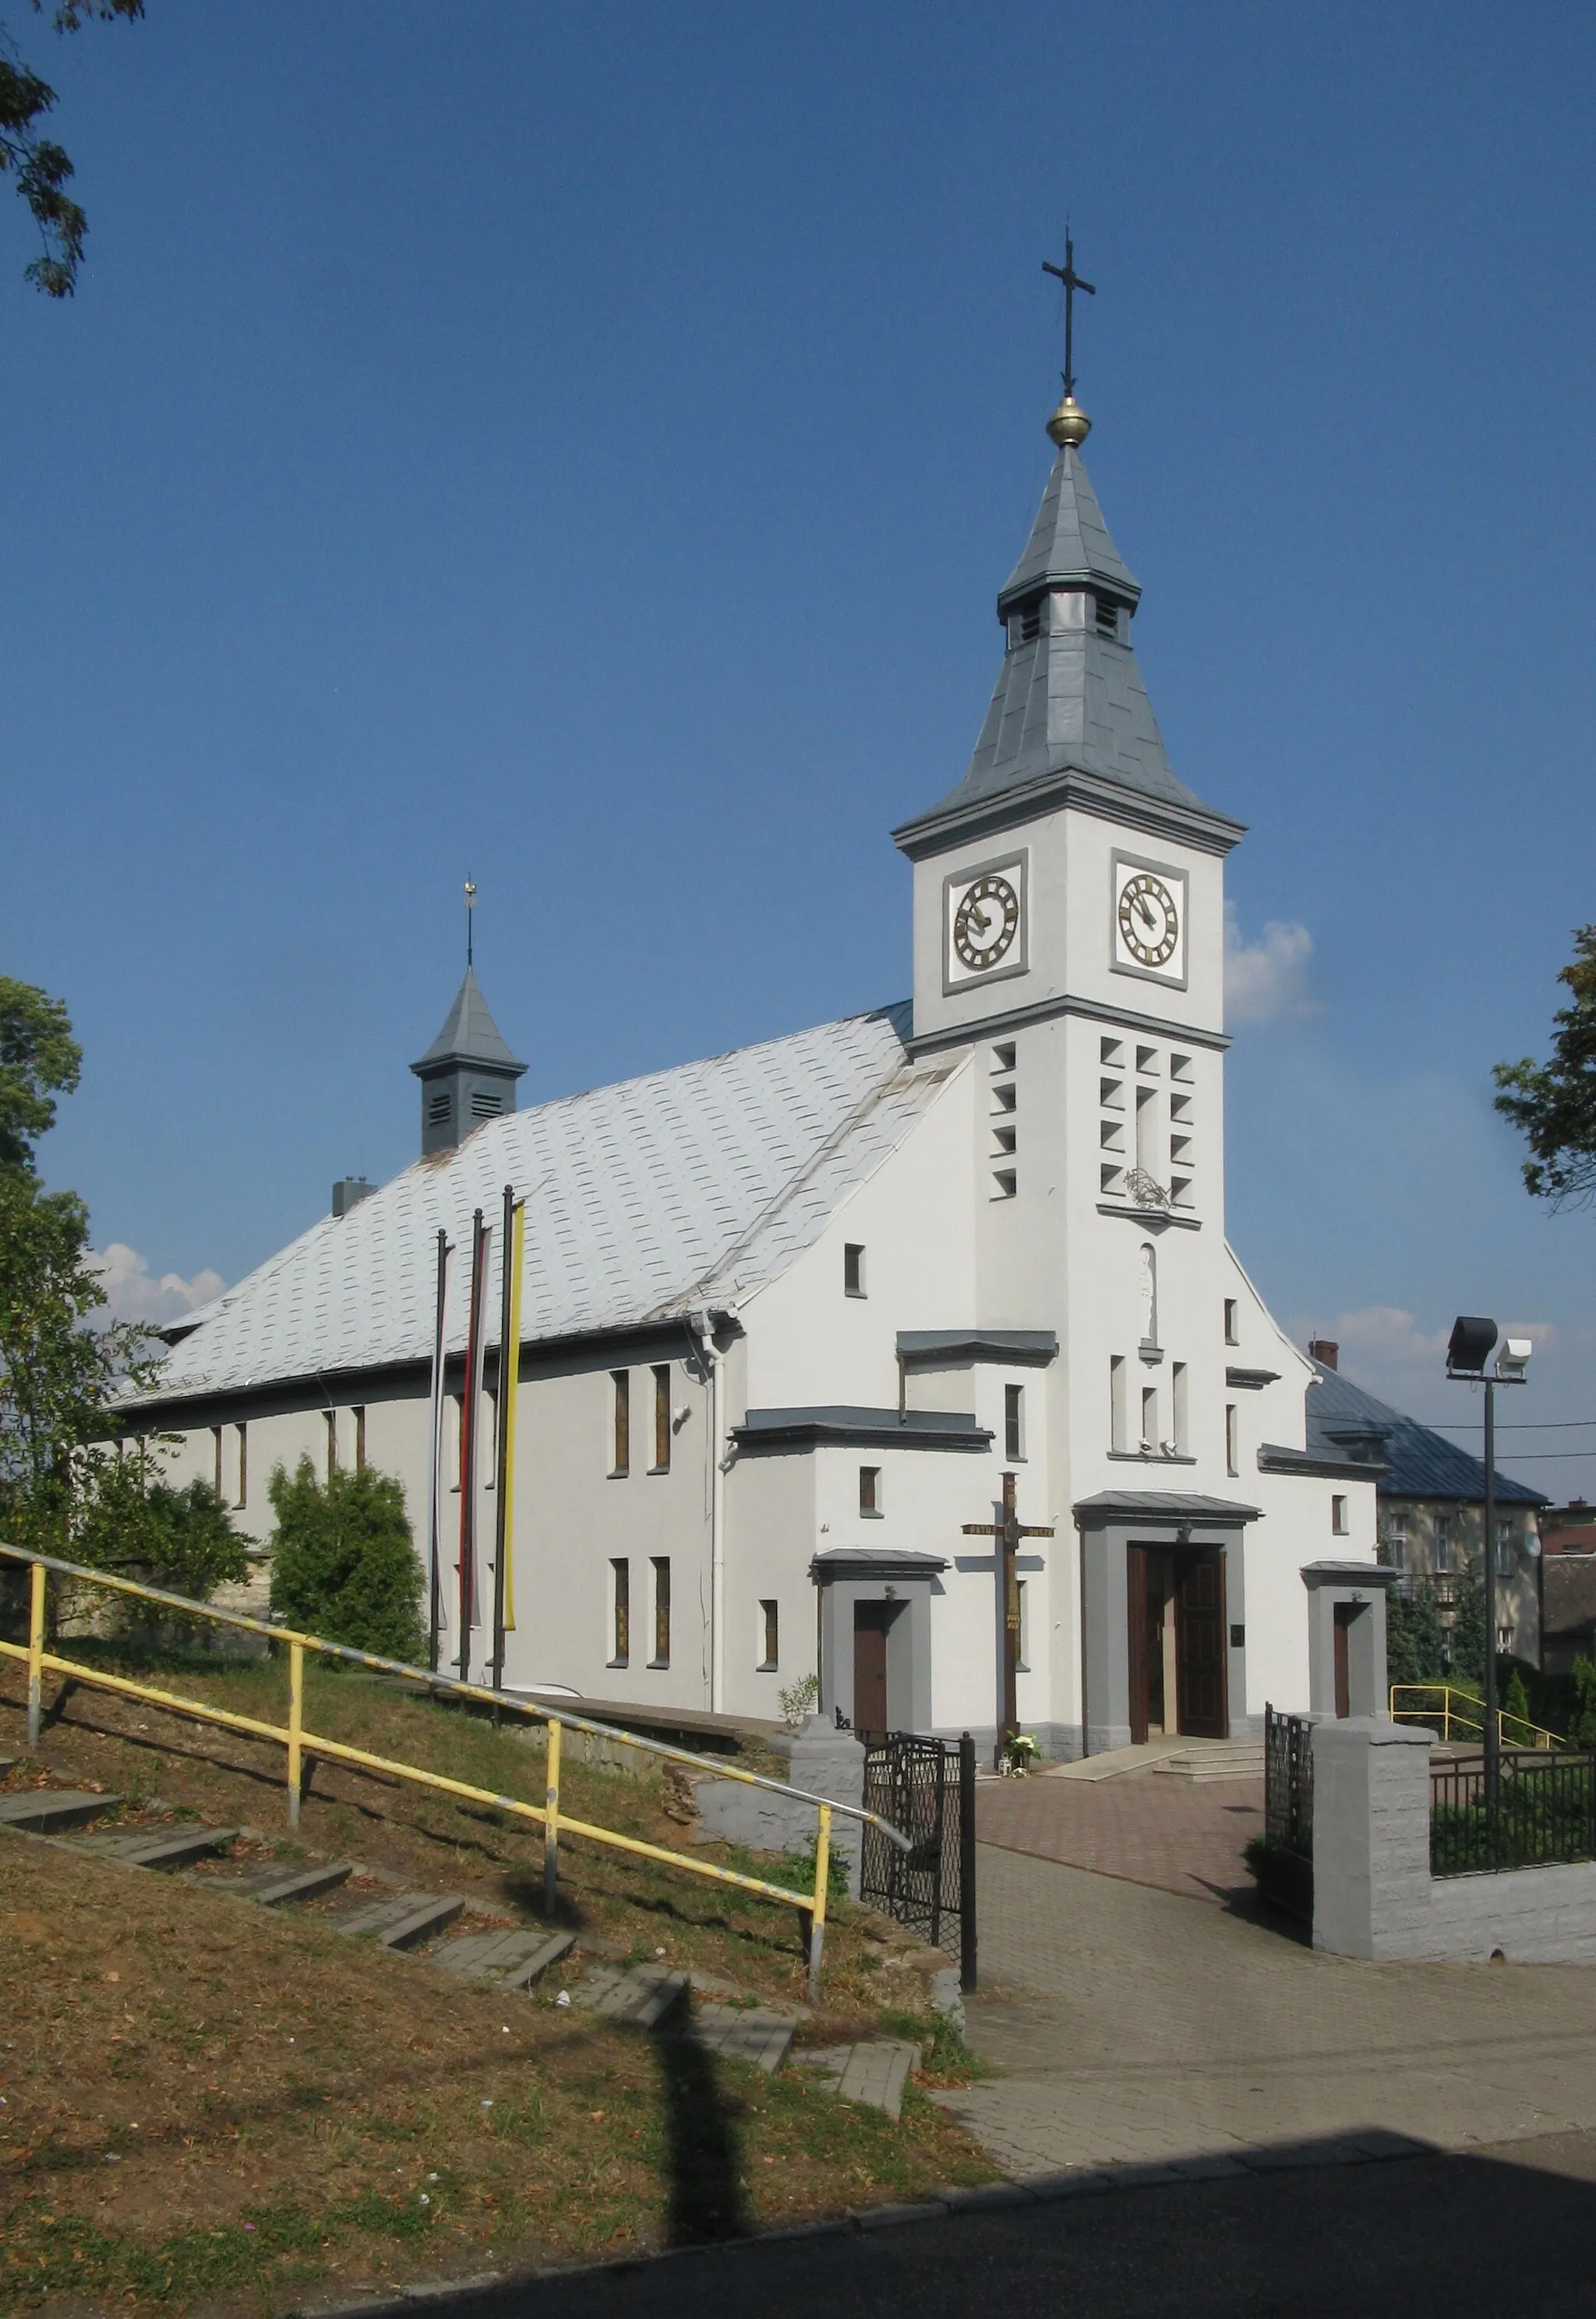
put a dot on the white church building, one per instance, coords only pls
(791, 1314)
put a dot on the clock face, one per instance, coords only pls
(1149, 919)
(985, 924)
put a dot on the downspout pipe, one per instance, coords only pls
(714, 1363)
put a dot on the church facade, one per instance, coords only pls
(908, 1351)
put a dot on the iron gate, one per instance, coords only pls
(926, 1787)
(1288, 1782)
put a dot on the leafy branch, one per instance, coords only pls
(42, 167)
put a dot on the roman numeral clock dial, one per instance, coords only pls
(1149, 920)
(985, 923)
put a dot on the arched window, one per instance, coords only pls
(1148, 1285)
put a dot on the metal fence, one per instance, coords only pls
(926, 1787)
(1288, 1782)
(1545, 1811)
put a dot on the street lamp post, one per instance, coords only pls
(1467, 1353)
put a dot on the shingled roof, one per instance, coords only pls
(1421, 1463)
(1069, 706)
(646, 1200)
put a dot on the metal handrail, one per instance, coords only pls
(1471, 1725)
(301, 1742)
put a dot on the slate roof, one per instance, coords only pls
(1419, 1462)
(1070, 700)
(470, 1035)
(645, 1201)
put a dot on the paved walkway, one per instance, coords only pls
(1184, 1836)
(1131, 2024)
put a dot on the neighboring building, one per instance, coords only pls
(1568, 1585)
(1432, 1503)
(792, 1314)
(1568, 1530)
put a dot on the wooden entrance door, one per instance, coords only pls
(1200, 1639)
(1150, 1585)
(1345, 1614)
(870, 1621)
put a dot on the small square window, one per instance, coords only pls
(852, 1268)
(870, 1488)
(1003, 1059)
(1338, 1522)
(1006, 1183)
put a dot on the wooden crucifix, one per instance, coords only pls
(1007, 1534)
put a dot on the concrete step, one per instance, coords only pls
(642, 1998)
(748, 2033)
(402, 1920)
(511, 1960)
(304, 1885)
(1237, 1759)
(161, 1847)
(46, 1810)
(875, 2071)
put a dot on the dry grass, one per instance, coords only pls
(279, 2102)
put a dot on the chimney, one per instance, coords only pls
(1320, 1350)
(349, 1192)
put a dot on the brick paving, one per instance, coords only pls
(1136, 2025)
(1182, 1836)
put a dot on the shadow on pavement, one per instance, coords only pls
(1298, 2233)
(705, 2159)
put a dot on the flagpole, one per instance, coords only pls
(435, 1409)
(509, 1372)
(481, 1235)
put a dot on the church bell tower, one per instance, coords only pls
(468, 1074)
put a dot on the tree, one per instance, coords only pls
(57, 1376)
(1554, 1104)
(1415, 1640)
(1466, 1649)
(344, 1565)
(41, 169)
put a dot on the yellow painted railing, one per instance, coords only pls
(301, 1744)
(1461, 1715)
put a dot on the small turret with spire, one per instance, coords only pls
(468, 1074)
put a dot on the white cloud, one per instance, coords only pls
(1267, 982)
(133, 1293)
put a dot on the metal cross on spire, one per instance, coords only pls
(470, 908)
(1072, 282)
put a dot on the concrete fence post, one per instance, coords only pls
(1371, 1837)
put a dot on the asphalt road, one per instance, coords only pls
(1495, 2232)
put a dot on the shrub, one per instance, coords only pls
(179, 1539)
(345, 1565)
(1582, 1722)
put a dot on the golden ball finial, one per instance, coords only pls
(1070, 423)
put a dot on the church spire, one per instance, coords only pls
(468, 1074)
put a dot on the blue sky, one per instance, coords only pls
(581, 446)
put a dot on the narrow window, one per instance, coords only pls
(620, 1613)
(769, 1637)
(243, 1433)
(1014, 1421)
(1443, 1542)
(1108, 619)
(1022, 1655)
(852, 1268)
(1504, 1549)
(1396, 1541)
(1177, 1382)
(661, 1612)
(1117, 1410)
(870, 1488)
(1232, 1438)
(1231, 1335)
(1147, 1129)
(1339, 1516)
(621, 1463)
(1149, 1420)
(331, 1416)
(216, 1459)
(360, 1440)
(662, 1420)
(1148, 1291)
